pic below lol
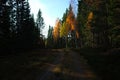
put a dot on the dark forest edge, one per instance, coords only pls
(96, 25)
(105, 63)
(18, 29)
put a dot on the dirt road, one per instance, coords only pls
(69, 65)
(57, 64)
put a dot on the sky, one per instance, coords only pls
(51, 10)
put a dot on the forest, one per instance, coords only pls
(96, 24)
(82, 45)
(19, 30)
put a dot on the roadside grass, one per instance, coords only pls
(105, 64)
(26, 66)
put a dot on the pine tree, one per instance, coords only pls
(50, 40)
(40, 21)
(113, 8)
(4, 25)
(81, 22)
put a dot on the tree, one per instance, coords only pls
(71, 23)
(82, 17)
(88, 31)
(68, 30)
(92, 27)
(56, 33)
(100, 25)
(56, 30)
(112, 7)
(50, 40)
(64, 29)
(18, 30)
(24, 29)
(40, 21)
(4, 25)
(65, 16)
(71, 18)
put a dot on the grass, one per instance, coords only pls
(25, 66)
(106, 64)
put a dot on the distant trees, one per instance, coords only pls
(64, 31)
(40, 25)
(18, 30)
(64, 34)
(71, 24)
(95, 25)
(50, 39)
(40, 21)
(56, 31)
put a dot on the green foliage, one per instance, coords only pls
(99, 31)
(4, 25)
(50, 40)
(113, 22)
(18, 30)
(81, 22)
(40, 21)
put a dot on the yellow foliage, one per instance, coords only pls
(90, 16)
(72, 27)
(77, 34)
(56, 30)
(71, 20)
(64, 29)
